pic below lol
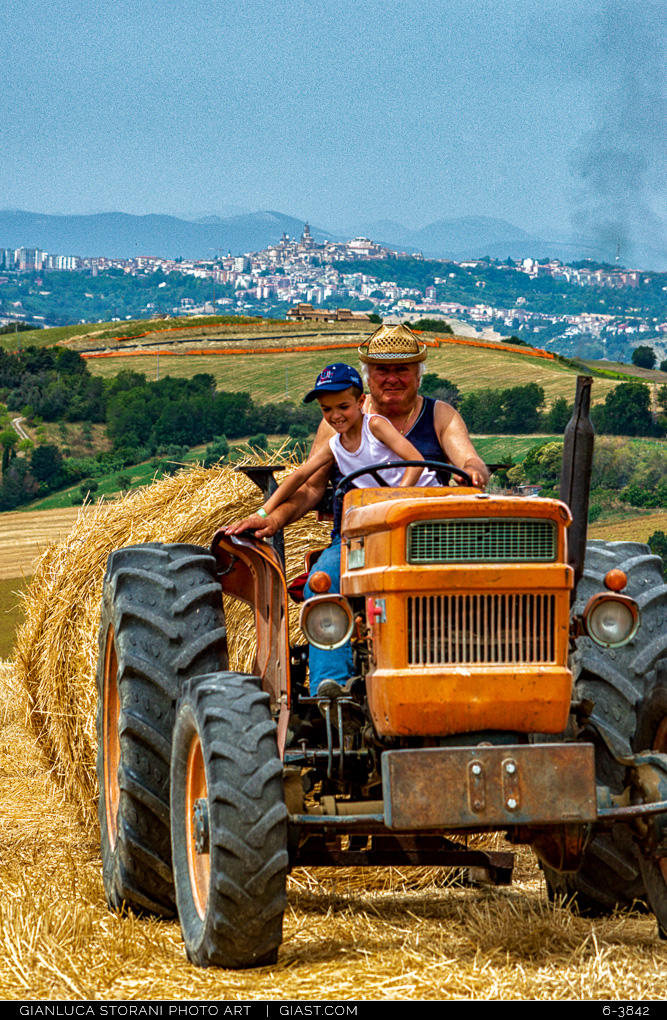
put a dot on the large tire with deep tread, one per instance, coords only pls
(652, 736)
(161, 622)
(616, 680)
(230, 888)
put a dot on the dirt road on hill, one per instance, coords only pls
(24, 536)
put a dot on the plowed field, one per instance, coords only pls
(25, 535)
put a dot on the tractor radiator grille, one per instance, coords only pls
(480, 629)
(496, 540)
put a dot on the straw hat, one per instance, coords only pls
(392, 343)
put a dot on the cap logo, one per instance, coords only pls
(325, 376)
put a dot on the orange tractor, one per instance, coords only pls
(508, 677)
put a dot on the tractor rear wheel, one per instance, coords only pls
(161, 622)
(229, 823)
(652, 735)
(615, 679)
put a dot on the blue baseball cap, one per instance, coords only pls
(334, 378)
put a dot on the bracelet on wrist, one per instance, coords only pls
(262, 512)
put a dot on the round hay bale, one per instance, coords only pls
(58, 643)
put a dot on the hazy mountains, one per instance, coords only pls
(460, 238)
(120, 235)
(476, 236)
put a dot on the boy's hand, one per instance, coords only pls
(264, 527)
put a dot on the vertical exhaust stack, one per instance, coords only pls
(575, 479)
(262, 476)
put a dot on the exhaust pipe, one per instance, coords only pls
(575, 479)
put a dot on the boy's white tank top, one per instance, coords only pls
(372, 451)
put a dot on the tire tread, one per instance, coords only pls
(248, 822)
(165, 606)
(616, 680)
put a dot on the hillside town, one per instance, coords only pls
(304, 279)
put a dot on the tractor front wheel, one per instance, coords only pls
(161, 622)
(229, 823)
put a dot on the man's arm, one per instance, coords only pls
(456, 444)
(293, 509)
(402, 447)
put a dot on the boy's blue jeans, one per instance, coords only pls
(338, 664)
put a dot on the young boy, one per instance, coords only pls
(360, 440)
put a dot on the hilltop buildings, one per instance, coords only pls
(303, 279)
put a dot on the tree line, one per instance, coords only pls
(147, 420)
(622, 472)
(143, 419)
(521, 410)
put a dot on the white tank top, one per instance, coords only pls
(372, 451)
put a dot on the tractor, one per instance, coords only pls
(509, 676)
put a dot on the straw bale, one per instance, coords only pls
(57, 646)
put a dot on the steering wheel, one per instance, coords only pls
(443, 471)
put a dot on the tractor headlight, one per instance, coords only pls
(611, 620)
(326, 621)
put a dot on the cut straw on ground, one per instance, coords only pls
(375, 934)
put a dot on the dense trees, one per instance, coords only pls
(15, 327)
(513, 411)
(432, 326)
(519, 410)
(216, 452)
(625, 472)
(19, 485)
(627, 412)
(53, 383)
(644, 357)
(185, 412)
(46, 464)
(559, 415)
(160, 419)
(543, 463)
(433, 385)
(658, 544)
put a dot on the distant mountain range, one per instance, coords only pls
(468, 237)
(121, 235)
(461, 238)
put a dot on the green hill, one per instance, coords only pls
(270, 377)
(267, 377)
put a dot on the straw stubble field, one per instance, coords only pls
(352, 934)
(272, 377)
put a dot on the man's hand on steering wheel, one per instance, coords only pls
(478, 478)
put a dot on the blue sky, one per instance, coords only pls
(341, 111)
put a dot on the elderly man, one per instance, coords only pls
(393, 362)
